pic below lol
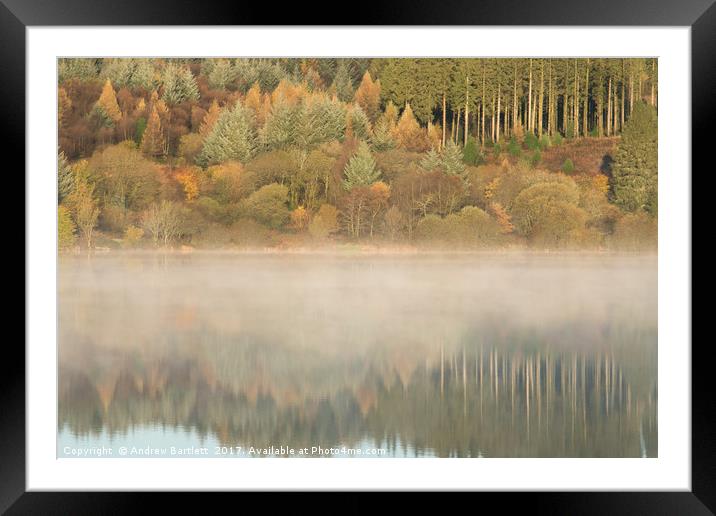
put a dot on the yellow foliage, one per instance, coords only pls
(64, 105)
(210, 119)
(503, 218)
(380, 190)
(289, 92)
(368, 96)
(601, 183)
(132, 236)
(253, 101)
(299, 218)
(189, 180)
(108, 102)
(492, 187)
(409, 134)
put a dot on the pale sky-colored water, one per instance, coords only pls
(458, 355)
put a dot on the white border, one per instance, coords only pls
(671, 470)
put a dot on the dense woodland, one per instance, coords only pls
(458, 153)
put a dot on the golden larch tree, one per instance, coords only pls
(368, 96)
(107, 102)
(210, 119)
(153, 141)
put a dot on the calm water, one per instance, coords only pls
(246, 355)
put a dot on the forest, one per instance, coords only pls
(206, 153)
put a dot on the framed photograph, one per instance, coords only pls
(435, 251)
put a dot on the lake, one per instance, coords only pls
(380, 355)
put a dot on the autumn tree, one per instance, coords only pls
(163, 222)
(324, 223)
(85, 210)
(408, 133)
(268, 205)
(153, 140)
(107, 107)
(210, 119)
(367, 96)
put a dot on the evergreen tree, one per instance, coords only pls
(450, 160)
(65, 177)
(65, 228)
(361, 169)
(130, 73)
(382, 138)
(342, 83)
(73, 68)
(222, 74)
(279, 131)
(153, 141)
(635, 164)
(471, 153)
(232, 138)
(179, 85)
(359, 123)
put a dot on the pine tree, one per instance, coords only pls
(449, 160)
(179, 85)
(452, 160)
(65, 177)
(222, 74)
(232, 138)
(635, 163)
(279, 131)
(471, 153)
(130, 73)
(65, 228)
(361, 169)
(153, 141)
(382, 138)
(358, 123)
(107, 105)
(342, 82)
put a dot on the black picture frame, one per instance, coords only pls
(700, 15)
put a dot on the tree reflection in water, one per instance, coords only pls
(362, 357)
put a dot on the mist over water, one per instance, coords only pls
(461, 355)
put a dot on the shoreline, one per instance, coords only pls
(357, 251)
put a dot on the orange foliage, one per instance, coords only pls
(253, 102)
(503, 218)
(108, 102)
(189, 180)
(289, 92)
(409, 134)
(210, 119)
(368, 96)
(601, 183)
(299, 219)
